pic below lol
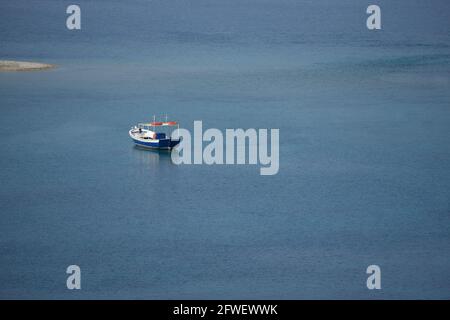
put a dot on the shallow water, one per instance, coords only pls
(364, 176)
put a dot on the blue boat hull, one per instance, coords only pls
(161, 144)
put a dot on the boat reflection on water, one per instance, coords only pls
(153, 158)
(159, 172)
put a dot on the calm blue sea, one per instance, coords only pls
(364, 119)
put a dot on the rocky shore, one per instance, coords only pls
(9, 65)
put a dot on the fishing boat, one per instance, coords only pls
(154, 135)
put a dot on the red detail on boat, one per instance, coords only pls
(156, 123)
(170, 123)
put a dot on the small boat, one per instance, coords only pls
(145, 135)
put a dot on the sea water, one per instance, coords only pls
(364, 176)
